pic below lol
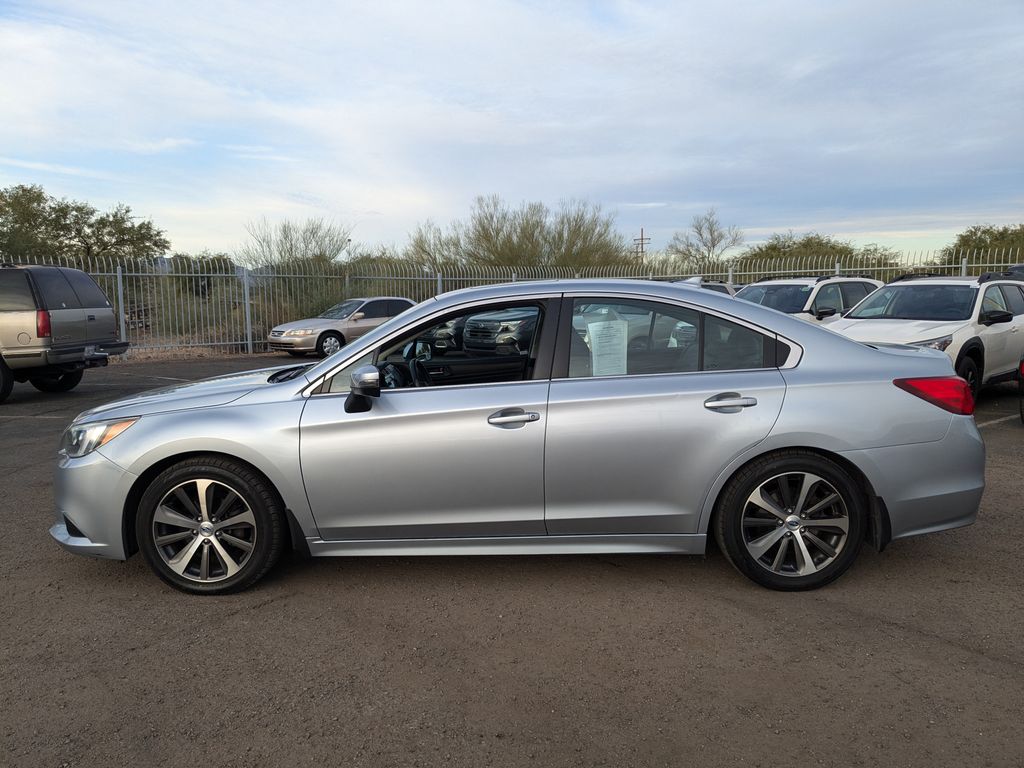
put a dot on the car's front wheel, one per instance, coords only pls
(792, 520)
(968, 371)
(63, 382)
(329, 343)
(210, 525)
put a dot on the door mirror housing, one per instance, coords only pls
(357, 316)
(366, 381)
(824, 312)
(365, 386)
(994, 316)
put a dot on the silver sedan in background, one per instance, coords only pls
(629, 417)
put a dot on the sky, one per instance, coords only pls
(898, 123)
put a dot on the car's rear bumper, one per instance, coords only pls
(928, 487)
(90, 493)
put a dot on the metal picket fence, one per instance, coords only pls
(178, 303)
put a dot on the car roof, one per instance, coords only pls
(811, 279)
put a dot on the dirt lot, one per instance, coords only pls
(913, 658)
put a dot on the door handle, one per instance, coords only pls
(92, 317)
(517, 416)
(729, 402)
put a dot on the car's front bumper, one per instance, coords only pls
(90, 494)
(292, 343)
(928, 487)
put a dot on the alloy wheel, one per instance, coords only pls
(330, 345)
(204, 530)
(795, 524)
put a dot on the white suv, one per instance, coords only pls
(977, 321)
(819, 297)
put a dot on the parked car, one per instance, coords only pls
(789, 444)
(332, 329)
(977, 321)
(719, 286)
(54, 323)
(505, 331)
(819, 297)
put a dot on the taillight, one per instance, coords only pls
(42, 324)
(951, 393)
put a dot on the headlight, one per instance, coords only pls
(80, 439)
(300, 332)
(939, 344)
(511, 327)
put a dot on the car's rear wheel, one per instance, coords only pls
(968, 371)
(6, 381)
(792, 520)
(210, 525)
(329, 343)
(63, 382)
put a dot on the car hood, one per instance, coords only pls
(895, 331)
(194, 394)
(315, 323)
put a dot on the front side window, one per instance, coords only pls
(993, 301)
(1014, 299)
(917, 302)
(640, 338)
(829, 297)
(496, 343)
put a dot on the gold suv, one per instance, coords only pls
(54, 323)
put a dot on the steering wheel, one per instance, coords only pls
(420, 374)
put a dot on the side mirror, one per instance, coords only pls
(366, 381)
(357, 316)
(994, 316)
(365, 385)
(824, 312)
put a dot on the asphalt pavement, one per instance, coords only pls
(914, 657)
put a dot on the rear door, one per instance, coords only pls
(67, 318)
(100, 322)
(1015, 302)
(1000, 352)
(637, 432)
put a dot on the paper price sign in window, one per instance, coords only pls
(608, 342)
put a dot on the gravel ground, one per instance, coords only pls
(912, 658)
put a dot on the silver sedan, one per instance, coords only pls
(628, 417)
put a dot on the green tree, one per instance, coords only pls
(35, 226)
(986, 244)
(701, 248)
(578, 234)
(814, 253)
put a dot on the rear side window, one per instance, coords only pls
(397, 307)
(731, 347)
(55, 290)
(375, 309)
(15, 292)
(853, 293)
(1014, 299)
(89, 294)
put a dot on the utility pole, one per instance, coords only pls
(640, 244)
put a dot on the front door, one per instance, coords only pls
(461, 455)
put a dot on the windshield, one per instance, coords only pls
(789, 298)
(917, 302)
(343, 310)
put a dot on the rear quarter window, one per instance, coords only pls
(89, 294)
(15, 292)
(54, 289)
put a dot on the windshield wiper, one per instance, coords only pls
(287, 374)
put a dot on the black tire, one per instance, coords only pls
(251, 488)
(738, 524)
(325, 338)
(63, 382)
(6, 381)
(968, 371)
(295, 353)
